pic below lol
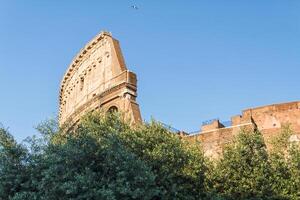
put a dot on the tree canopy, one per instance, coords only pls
(105, 158)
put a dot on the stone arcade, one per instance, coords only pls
(98, 78)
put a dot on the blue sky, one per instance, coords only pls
(195, 60)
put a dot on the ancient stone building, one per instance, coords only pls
(267, 119)
(98, 78)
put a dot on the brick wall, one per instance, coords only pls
(267, 119)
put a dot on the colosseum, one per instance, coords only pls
(98, 78)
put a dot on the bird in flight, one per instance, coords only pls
(134, 7)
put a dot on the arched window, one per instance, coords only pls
(112, 109)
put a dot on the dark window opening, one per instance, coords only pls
(81, 84)
(112, 109)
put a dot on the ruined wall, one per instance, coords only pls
(98, 79)
(267, 119)
(270, 119)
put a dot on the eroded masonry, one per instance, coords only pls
(267, 119)
(98, 78)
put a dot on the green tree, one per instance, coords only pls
(105, 158)
(179, 167)
(89, 162)
(294, 166)
(102, 158)
(13, 173)
(244, 170)
(285, 162)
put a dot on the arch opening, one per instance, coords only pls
(113, 109)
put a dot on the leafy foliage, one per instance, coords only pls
(105, 158)
(247, 171)
(12, 165)
(285, 160)
(244, 170)
(178, 167)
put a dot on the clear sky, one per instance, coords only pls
(195, 59)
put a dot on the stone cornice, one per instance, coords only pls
(272, 107)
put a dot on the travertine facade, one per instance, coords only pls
(98, 79)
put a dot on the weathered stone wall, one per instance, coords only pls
(98, 79)
(267, 119)
(270, 119)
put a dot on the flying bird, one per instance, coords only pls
(135, 7)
